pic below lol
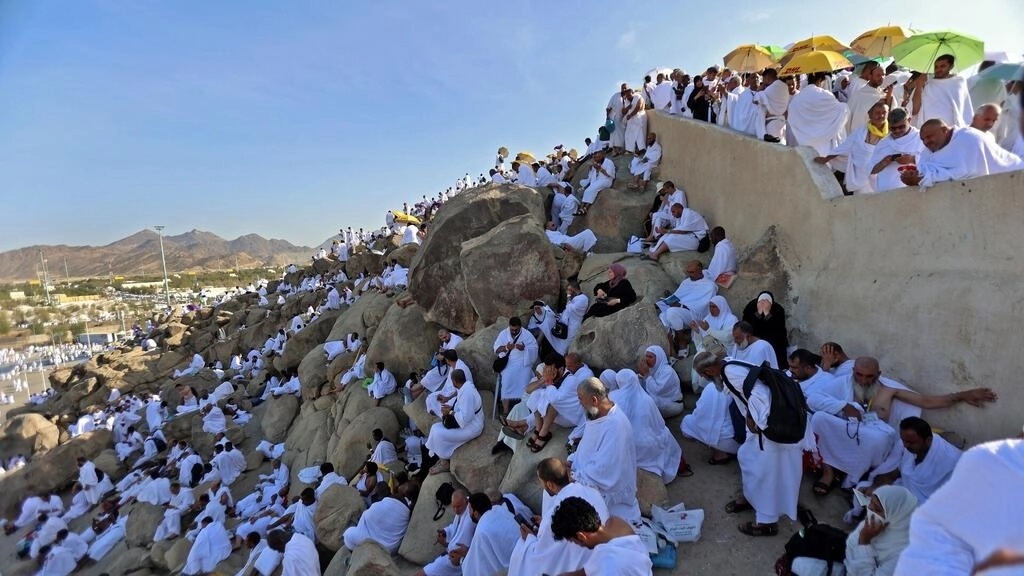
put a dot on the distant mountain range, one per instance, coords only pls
(139, 254)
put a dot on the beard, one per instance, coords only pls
(743, 345)
(592, 413)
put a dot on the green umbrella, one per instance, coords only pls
(777, 51)
(920, 51)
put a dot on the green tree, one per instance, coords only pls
(5, 324)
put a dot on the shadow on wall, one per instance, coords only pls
(930, 282)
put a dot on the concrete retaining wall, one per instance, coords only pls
(931, 283)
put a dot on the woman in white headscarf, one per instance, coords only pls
(718, 325)
(661, 381)
(874, 547)
(656, 450)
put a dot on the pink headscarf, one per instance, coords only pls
(618, 273)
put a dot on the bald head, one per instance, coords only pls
(935, 134)
(554, 470)
(986, 116)
(866, 370)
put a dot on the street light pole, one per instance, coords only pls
(163, 260)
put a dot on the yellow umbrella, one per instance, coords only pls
(527, 157)
(817, 61)
(812, 44)
(748, 58)
(879, 42)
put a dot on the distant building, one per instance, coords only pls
(16, 295)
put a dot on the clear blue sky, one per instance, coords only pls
(292, 119)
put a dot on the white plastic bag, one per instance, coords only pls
(635, 245)
(679, 524)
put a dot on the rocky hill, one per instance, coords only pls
(139, 254)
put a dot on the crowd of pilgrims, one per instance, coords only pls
(915, 506)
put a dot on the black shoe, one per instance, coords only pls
(500, 447)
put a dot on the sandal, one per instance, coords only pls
(685, 472)
(735, 507)
(537, 443)
(721, 461)
(755, 529)
(512, 433)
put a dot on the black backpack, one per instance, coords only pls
(819, 541)
(443, 495)
(787, 419)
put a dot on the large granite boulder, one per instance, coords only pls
(313, 372)
(404, 341)
(29, 434)
(338, 508)
(477, 351)
(142, 522)
(507, 268)
(473, 464)
(419, 545)
(369, 559)
(350, 451)
(437, 280)
(521, 474)
(300, 343)
(278, 417)
(616, 215)
(57, 470)
(618, 341)
(404, 255)
(365, 313)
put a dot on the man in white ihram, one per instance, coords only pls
(466, 409)
(642, 166)
(607, 438)
(456, 538)
(537, 551)
(957, 154)
(494, 539)
(520, 348)
(617, 550)
(943, 95)
(770, 471)
(901, 147)
(600, 177)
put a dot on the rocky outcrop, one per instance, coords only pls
(338, 508)
(473, 464)
(369, 559)
(477, 351)
(619, 340)
(404, 341)
(142, 522)
(300, 343)
(56, 471)
(350, 451)
(439, 280)
(29, 434)
(313, 372)
(648, 279)
(278, 417)
(521, 475)
(365, 313)
(419, 545)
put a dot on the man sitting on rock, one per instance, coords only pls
(616, 548)
(436, 376)
(723, 262)
(553, 400)
(751, 349)
(607, 437)
(356, 373)
(299, 516)
(456, 538)
(494, 539)
(385, 521)
(462, 420)
(689, 229)
(642, 165)
(688, 304)
(384, 383)
(446, 389)
(582, 242)
(924, 463)
(299, 556)
(211, 546)
(601, 177)
(878, 402)
(537, 551)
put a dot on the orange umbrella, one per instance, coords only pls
(748, 58)
(813, 44)
(879, 42)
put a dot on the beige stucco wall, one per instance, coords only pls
(930, 282)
